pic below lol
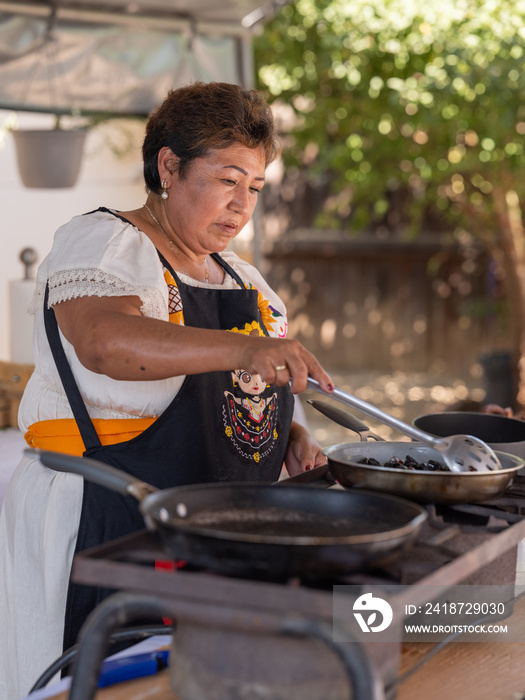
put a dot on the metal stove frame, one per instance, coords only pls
(480, 552)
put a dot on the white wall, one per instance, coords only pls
(29, 217)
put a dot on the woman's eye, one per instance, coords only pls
(254, 190)
(230, 182)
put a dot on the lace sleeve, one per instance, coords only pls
(100, 254)
(83, 282)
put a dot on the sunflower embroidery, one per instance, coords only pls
(253, 328)
(265, 310)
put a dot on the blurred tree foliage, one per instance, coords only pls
(408, 116)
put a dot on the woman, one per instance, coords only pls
(145, 341)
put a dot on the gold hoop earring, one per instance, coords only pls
(164, 186)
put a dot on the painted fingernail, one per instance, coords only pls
(308, 467)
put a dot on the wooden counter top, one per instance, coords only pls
(471, 671)
(478, 671)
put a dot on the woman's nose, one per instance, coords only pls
(240, 202)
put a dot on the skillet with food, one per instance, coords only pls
(347, 462)
(372, 465)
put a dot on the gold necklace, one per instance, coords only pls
(173, 248)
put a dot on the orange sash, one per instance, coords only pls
(62, 434)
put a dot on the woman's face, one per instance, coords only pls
(216, 198)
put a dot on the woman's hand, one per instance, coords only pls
(497, 410)
(280, 361)
(494, 409)
(303, 451)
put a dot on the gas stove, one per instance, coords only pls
(273, 639)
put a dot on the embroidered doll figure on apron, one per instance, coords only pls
(250, 416)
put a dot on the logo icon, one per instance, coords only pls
(368, 603)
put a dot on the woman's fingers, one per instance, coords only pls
(297, 370)
(278, 361)
(303, 452)
(304, 366)
(498, 410)
(282, 371)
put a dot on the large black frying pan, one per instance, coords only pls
(422, 486)
(262, 529)
(499, 432)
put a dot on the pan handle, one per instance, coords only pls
(345, 419)
(319, 476)
(94, 471)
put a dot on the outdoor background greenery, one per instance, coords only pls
(407, 111)
(408, 118)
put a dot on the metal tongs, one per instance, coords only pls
(461, 453)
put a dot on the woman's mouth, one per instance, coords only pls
(229, 228)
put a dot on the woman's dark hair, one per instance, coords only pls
(198, 118)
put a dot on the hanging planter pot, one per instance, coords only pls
(49, 158)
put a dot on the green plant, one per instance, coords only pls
(410, 116)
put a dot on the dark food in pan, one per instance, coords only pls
(407, 463)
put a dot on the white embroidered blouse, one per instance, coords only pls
(100, 254)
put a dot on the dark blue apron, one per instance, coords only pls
(221, 426)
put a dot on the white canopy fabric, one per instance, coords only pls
(120, 57)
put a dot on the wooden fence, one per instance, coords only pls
(379, 305)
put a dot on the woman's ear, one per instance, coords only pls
(167, 163)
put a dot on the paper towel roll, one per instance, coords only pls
(20, 321)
